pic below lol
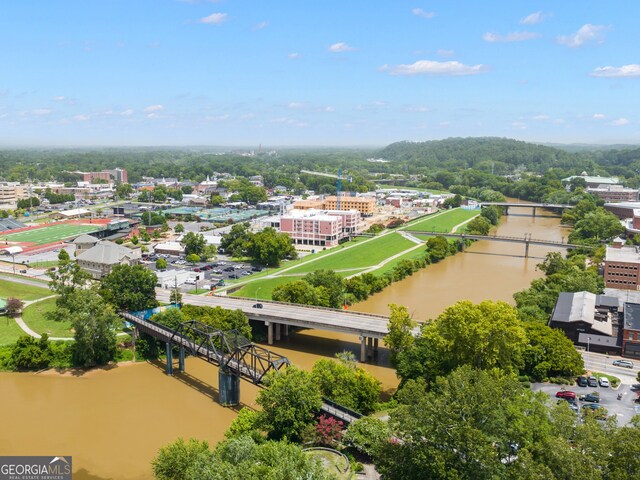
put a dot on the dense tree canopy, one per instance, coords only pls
(130, 288)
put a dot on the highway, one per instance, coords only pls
(342, 321)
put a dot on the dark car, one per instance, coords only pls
(256, 269)
(197, 270)
(566, 394)
(592, 381)
(257, 305)
(582, 381)
(591, 406)
(591, 397)
(220, 283)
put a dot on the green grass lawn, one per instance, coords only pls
(51, 233)
(46, 264)
(9, 331)
(418, 252)
(444, 222)
(262, 288)
(22, 291)
(361, 256)
(34, 317)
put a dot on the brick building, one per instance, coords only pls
(622, 266)
(631, 331)
(312, 228)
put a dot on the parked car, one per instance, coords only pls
(592, 406)
(256, 269)
(197, 270)
(623, 363)
(220, 283)
(591, 397)
(582, 381)
(257, 305)
(246, 273)
(592, 381)
(604, 382)
(23, 271)
(566, 394)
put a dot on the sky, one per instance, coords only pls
(317, 73)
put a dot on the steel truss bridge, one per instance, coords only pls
(235, 356)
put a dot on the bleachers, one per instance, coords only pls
(9, 224)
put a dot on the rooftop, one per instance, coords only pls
(624, 254)
(106, 253)
(581, 307)
(632, 316)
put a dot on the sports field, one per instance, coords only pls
(49, 233)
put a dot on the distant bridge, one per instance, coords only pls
(234, 354)
(527, 240)
(534, 206)
(369, 327)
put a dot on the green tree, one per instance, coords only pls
(596, 226)
(193, 258)
(29, 353)
(479, 226)
(67, 278)
(300, 292)
(246, 423)
(130, 288)
(174, 460)
(161, 263)
(216, 200)
(269, 247)
(485, 336)
(235, 242)
(289, 403)
(220, 318)
(170, 317)
(124, 190)
(368, 435)
(437, 248)
(94, 323)
(332, 283)
(194, 243)
(179, 228)
(550, 353)
(347, 384)
(400, 336)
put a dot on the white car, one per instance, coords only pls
(603, 381)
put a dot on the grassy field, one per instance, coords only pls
(44, 264)
(50, 234)
(444, 222)
(21, 291)
(9, 331)
(361, 256)
(34, 317)
(418, 252)
(262, 289)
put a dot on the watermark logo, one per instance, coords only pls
(35, 468)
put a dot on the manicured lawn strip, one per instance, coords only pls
(361, 256)
(34, 317)
(263, 287)
(417, 253)
(9, 331)
(52, 233)
(444, 222)
(45, 264)
(22, 291)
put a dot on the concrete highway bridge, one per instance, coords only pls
(526, 240)
(278, 317)
(507, 205)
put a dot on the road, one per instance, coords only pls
(604, 364)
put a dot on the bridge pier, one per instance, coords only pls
(370, 347)
(375, 346)
(286, 330)
(363, 348)
(269, 332)
(526, 250)
(229, 388)
(462, 243)
(181, 360)
(506, 210)
(534, 212)
(169, 359)
(277, 332)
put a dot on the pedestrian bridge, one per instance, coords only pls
(277, 316)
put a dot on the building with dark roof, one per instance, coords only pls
(631, 330)
(589, 320)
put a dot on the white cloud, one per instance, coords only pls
(59, 98)
(541, 118)
(261, 25)
(41, 112)
(418, 12)
(532, 19)
(586, 33)
(445, 53)
(340, 47)
(154, 108)
(127, 113)
(631, 70)
(598, 116)
(214, 19)
(416, 108)
(81, 118)
(296, 105)
(509, 37)
(328, 109)
(293, 56)
(430, 67)
(519, 125)
(619, 122)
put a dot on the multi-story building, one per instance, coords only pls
(100, 259)
(631, 330)
(117, 174)
(364, 205)
(622, 266)
(11, 192)
(312, 228)
(592, 182)
(615, 193)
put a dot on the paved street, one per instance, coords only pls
(604, 364)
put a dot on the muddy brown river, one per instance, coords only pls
(114, 421)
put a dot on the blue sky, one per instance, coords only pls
(230, 72)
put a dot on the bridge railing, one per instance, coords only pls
(341, 408)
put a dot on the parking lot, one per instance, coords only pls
(623, 409)
(207, 273)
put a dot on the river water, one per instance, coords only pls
(113, 421)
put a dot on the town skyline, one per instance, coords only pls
(196, 72)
